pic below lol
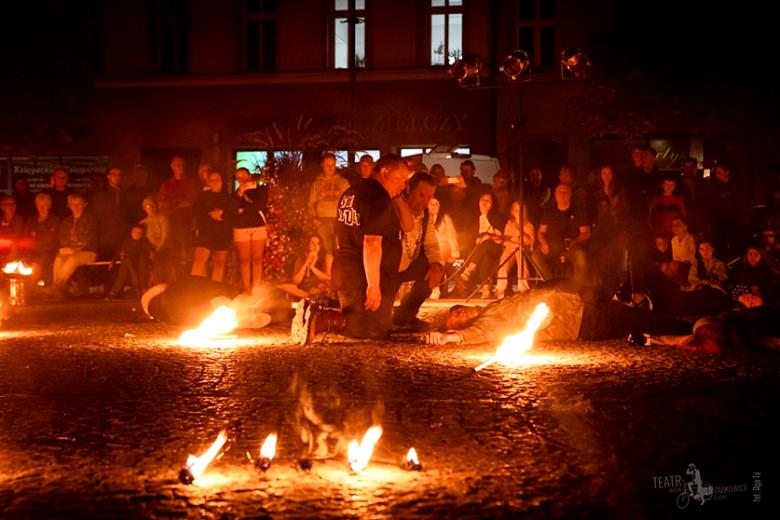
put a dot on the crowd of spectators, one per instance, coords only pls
(621, 229)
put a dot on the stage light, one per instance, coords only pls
(515, 64)
(574, 62)
(466, 70)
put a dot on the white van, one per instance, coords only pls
(485, 165)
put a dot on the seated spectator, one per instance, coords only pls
(157, 231)
(612, 191)
(683, 254)
(78, 243)
(661, 253)
(249, 230)
(514, 233)
(134, 254)
(504, 193)
(11, 230)
(665, 208)
(41, 230)
(311, 273)
(484, 259)
(605, 247)
(707, 270)
(25, 201)
(754, 273)
(448, 244)
(213, 211)
(769, 245)
(579, 195)
(563, 232)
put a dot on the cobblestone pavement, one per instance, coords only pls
(99, 411)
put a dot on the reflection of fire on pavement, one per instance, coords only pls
(515, 345)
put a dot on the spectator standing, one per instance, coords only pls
(177, 195)
(157, 231)
(536, 196)
(324, 198)
(691, 188)
(59, 192)
(214, 210)
(610, 189)
(112, 209)
(728, 211)
(516, 235)
(605, 246)
(249, 226)
(141, 188)
(25, 201)
(665, 208)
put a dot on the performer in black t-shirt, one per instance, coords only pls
(365, 270)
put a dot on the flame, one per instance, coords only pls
(197, 465)
(17, 268)
(411, 457)
(359, 454)
(515, 345)
(220, 322)
(269, 447)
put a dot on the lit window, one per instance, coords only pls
(174, 32)
(341, 33)
(536, 32)
(259, 35)
(446, 31)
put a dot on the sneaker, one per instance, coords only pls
(435, 294)
(302, 323)
(500, 293)
(485, 292)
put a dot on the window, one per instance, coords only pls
(174, 33)
(259, 35)
(536, 32)
(446, 31)
(341, 23)
(90, 18)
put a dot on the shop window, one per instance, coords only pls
(340, 25)
(174, 22)
(446, 31)
(536, 32)
(259, 35)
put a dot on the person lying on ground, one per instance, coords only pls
(570, 318)
(190, 300)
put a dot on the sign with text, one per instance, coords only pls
(38, 171)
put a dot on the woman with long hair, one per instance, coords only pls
(447, 236)
(484, 259)
(311, 274)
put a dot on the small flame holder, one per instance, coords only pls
(16, 289)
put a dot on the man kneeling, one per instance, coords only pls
(570, 318)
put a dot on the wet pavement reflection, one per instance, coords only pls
(99, 411)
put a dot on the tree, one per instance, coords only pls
(687, 66)
(45, 88)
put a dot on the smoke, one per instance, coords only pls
(258, 308)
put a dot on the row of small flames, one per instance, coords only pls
(222, 321)
(358, 455)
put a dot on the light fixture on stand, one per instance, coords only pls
(515, 64)
(466, 70)
(574, 63)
